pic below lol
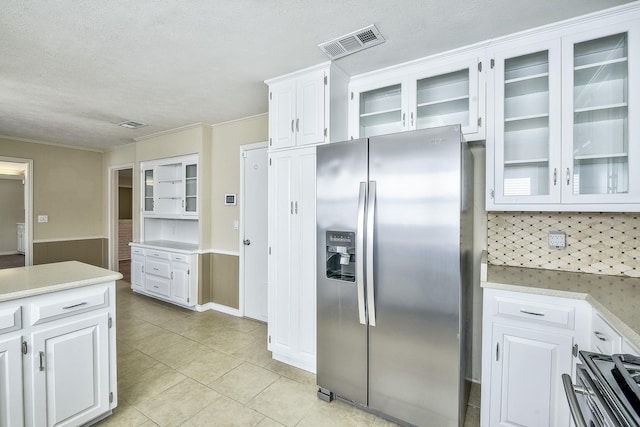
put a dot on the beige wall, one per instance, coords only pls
(67, 186)
(227, 139)
(11, 212)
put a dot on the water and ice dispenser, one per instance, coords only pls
(341, 255)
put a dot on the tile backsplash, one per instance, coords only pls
(601, 243)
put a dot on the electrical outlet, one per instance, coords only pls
(557, 239)
(43, 218)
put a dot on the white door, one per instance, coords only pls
(282, 115)
(526, 386)
(180, 283)
(310, 109)
(10, 382)
(254, 247)
(71, 372)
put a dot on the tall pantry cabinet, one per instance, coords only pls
(299, 119)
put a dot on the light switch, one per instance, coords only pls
(43, 218)
(235, 224)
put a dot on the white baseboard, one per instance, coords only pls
(219, 307)
(310, 367)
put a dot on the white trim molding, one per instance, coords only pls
(218, 307)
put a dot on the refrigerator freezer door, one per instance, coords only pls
(414, 347)
(342, 339)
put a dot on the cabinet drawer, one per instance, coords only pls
(53, 308)
(10, 319)
(158, 285)
(137, 251)
(157, 268)
(549, 314)
(181, 258)
(150, 253)
(604, 338)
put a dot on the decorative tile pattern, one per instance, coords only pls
(601, 243)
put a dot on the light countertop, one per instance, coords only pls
(40, 279)
(189, 248)
(615, 297)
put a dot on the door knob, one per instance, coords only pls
(246, 242)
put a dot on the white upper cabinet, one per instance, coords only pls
(427, 93)
(170, 187)
(307, 107)
(560, 135)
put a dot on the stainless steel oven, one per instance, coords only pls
(607, 391)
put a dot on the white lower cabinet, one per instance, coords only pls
(292, 257)
(11, 401)
(526, 374)
(166, 275)
(71, 378)
(528, 343)
(57, 357)
(137, 271)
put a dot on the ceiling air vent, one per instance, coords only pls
(130, 124)
(352, 42)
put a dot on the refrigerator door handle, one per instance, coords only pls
(360, 253)
(371, 207)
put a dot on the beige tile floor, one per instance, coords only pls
(178, 367)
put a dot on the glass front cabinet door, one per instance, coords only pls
(600, 163)
(527, 124)
(563, 138)
(378, 109)
(148, 190)
(191, 188)
(448, 94)
(422, 95)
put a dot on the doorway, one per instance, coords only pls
(16, 225)
(253, 230)
(121, 219)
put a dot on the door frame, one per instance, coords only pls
(241, 288)
(28, 205)
(112, 209)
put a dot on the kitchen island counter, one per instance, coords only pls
(615, 297)
(24, 282)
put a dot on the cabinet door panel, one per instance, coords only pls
(306, 221)
(310, 109)
(281, 312)
(449, 94)
(599, 163)
(526, 377)
(180, 283)
(71, 372)
(137, 271)
(527, 124)
(11, 382)
(282, 112)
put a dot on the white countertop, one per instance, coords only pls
(189, 248)
(615, 297)
(40, 279)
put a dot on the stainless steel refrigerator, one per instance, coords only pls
(394, 223)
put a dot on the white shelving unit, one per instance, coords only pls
(165, 260)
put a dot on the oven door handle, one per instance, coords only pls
(570, 391)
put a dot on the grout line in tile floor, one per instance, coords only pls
(177, 367)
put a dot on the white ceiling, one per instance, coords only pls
(71, 69)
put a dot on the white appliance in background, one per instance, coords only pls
(394, 224)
